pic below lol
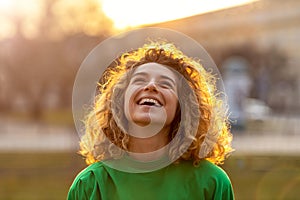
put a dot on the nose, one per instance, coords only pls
(151, 86)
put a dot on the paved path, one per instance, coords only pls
(37, 137)
(278, 134)
(266, 144)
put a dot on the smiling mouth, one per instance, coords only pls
(149, 102)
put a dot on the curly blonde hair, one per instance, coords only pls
(208, 137)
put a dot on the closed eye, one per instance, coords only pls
(166, 84)
(138, 80)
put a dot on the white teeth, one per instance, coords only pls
(155, 102)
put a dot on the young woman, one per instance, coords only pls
(156, 131)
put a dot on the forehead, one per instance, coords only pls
(155, 69)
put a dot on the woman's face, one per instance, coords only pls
(151, 95)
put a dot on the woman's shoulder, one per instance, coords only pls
(90, 169)
(206, 180)
(216, 178)
(206, 172)
(84, 183)
(211, 168)
(90, 174)
(206, 168)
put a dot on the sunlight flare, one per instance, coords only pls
(132, 13)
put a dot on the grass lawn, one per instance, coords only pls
(49, 175)
(37, 176)
(264, 177)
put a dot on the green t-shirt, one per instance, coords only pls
(176, 181)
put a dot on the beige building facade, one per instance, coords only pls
(266, 33)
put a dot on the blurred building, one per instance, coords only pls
(266, 33)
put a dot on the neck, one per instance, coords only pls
(149, 149)
(147, 144)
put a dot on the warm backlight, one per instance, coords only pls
(130, 13)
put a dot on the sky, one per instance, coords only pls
(123, 13)
(132, 13)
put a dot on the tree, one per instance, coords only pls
(47, 63)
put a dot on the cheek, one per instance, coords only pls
(129, 101)
(173, 99)
(127, 96)
(172, 105)
(175, 107)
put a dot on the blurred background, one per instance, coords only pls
(255, 44)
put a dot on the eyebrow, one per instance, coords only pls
(161, 76)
